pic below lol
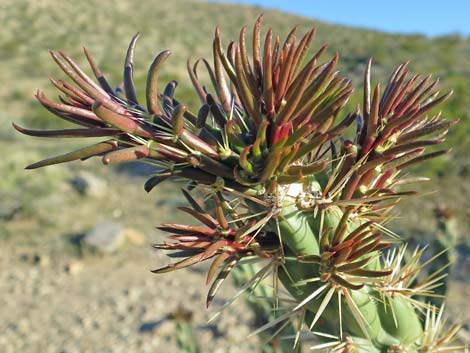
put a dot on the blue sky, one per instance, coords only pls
(432, 18)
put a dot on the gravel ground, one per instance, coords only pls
(108, 304)
(112, 304)
(55, 300)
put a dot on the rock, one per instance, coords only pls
(41, 260)
(105, 237)
(117, 213)
(132, 294)
(9, 208)
(73, 268)
(24, 258)
(135, 237)
(88, 184)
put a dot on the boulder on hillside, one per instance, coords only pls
(105, 237)
(88, 184)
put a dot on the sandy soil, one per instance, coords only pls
(107, 304)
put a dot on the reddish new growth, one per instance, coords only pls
(226, 243)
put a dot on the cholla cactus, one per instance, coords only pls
(291, 185)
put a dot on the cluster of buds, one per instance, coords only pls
(215, 239)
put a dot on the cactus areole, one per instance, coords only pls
(291, 181)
